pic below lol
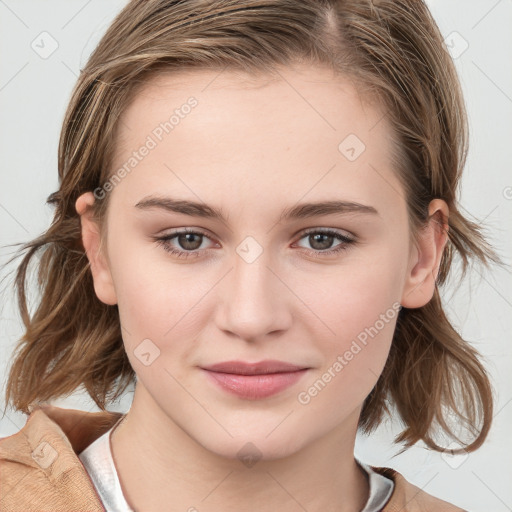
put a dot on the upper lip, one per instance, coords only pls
(262, 367)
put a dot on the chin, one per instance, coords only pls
(250, 448)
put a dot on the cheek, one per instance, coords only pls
(358, 314)
(160, 303)
(353, 296)
(353, 357)
(155, 296)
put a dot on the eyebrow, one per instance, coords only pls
(300, 211)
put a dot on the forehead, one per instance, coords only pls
(314, 96)
(252, 134)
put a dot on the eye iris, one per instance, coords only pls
(186, 241)
(327, 240)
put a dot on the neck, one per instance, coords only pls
(161, 466)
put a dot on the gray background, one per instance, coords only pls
(34, 91)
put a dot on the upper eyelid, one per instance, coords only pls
(333, 231)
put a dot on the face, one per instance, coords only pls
(253, 272)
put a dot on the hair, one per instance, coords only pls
(394, 52)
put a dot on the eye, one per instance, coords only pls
(189, 242)
(322, 239)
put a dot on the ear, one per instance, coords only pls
(426, 257)
(91, 239)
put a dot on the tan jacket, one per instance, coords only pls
(40, 469)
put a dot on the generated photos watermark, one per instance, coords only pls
(151, 142)
(357, 345)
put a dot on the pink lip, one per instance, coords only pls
(254, 381)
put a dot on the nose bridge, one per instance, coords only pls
(253, 301)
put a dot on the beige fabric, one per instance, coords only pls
(40, 468)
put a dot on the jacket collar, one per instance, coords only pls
(46, 451)
(39, 464)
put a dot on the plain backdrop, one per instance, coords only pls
(35, 84)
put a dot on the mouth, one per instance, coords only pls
(254, 381)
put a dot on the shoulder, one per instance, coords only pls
(408, 497)
(39, 465)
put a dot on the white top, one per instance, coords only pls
(97, 460)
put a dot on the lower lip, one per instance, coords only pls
(255, 387)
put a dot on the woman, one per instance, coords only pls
(256, 208)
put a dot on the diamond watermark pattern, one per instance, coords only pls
(455, 461)
(44, 45)
(249, 249)
(44, 454)
(249, 455)
(146, 352)
(456, 44)
(352, 147)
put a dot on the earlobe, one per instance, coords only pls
(426, 257)
(91, 239)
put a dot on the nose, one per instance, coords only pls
(254, 300)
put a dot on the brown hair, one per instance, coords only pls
(394, 51)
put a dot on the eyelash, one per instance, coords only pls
(164, 242)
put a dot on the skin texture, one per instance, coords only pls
(253, 147)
